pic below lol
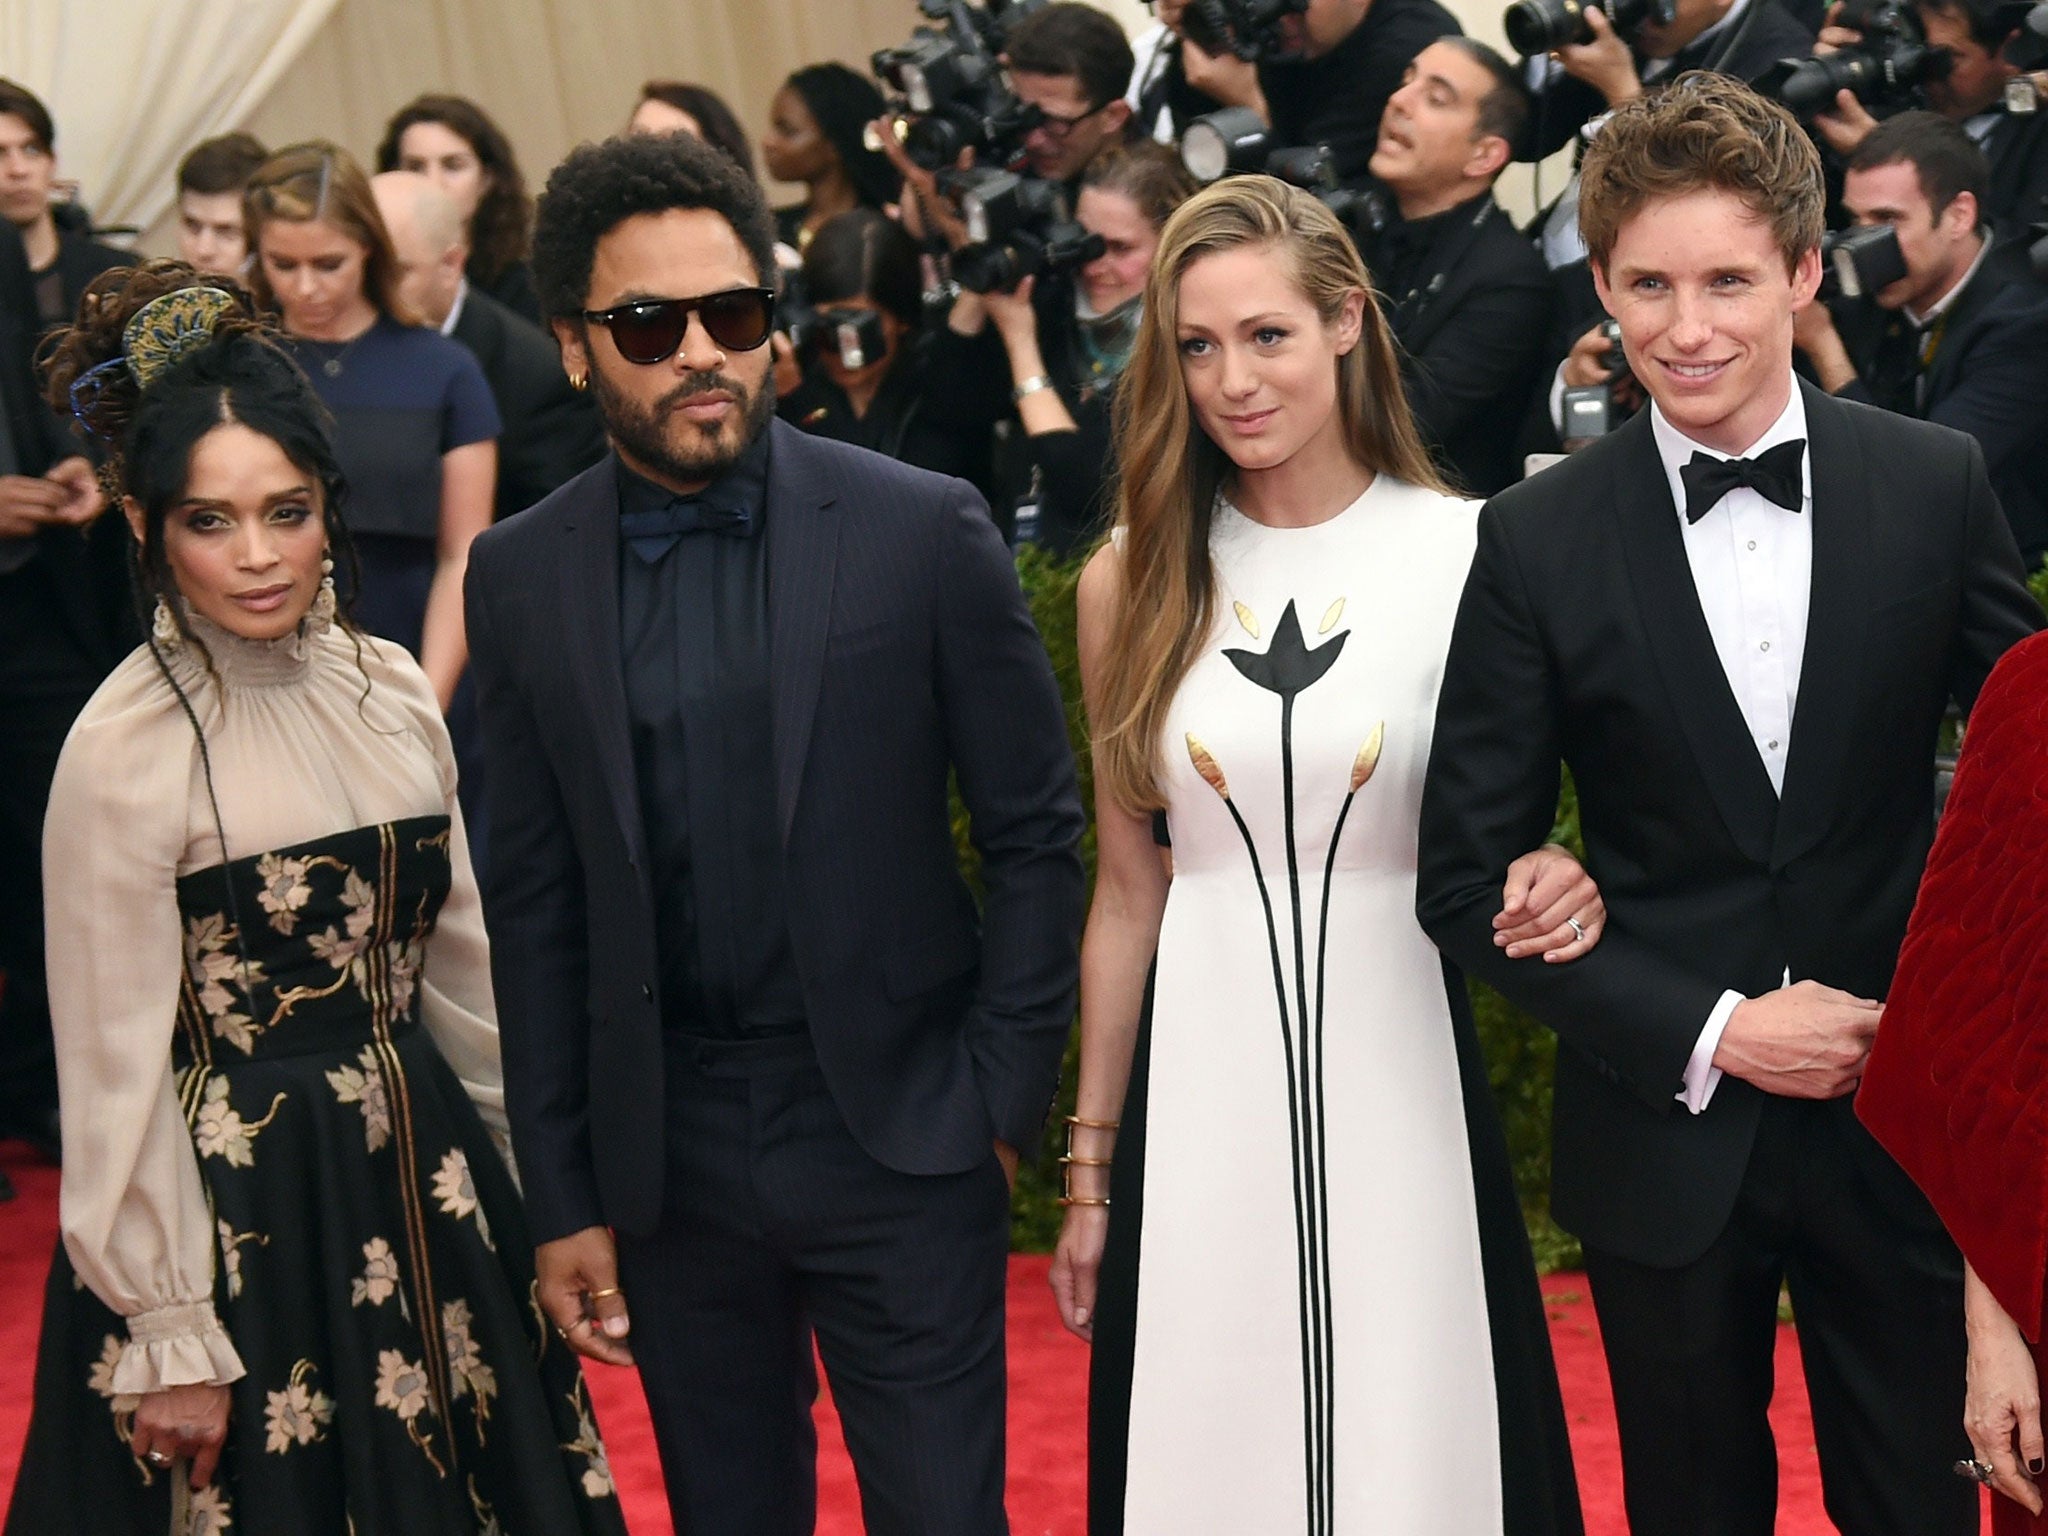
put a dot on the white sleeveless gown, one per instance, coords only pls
(1312, 1353)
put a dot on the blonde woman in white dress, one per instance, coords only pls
(1312, 1302)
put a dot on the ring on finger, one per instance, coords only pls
(1578, 929)
(1976, 1471)
(156, 1458)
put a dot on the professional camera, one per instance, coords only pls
(1589, 409)
(1236, 141)
(951, 81)
(1885, 71)
(851, 331)
(1249, 29)
(1860, 263)
(998, 266)
(1537, 26)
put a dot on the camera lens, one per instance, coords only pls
(1537, 26)
(1218, 143)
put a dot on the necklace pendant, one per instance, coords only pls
(332, 367)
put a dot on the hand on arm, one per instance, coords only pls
(1122, 936)
(1546, 892)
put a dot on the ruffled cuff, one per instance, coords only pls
(176, 1346)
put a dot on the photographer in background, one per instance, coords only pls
(1175, 79)
(862, 369)
(1338, 63)
(1073, 63)
(1962, 338)
(1063, 367)
(1467, 296)
(1972, 93)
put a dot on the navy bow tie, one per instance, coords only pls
(1772, 474)
(652, 532)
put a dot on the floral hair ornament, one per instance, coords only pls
(170, 327)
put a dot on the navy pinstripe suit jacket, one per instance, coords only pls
(901, 652)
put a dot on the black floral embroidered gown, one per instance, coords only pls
(284, 1150)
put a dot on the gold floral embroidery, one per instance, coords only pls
(209, 1513)
(486, 1517)
(212, 963)
(365, 1088)
(285, 889)
(298, 1415)
(231, 1254)
(379, 1280)
(597, 1471)
(456, 1191)
(220, 1131)
(402, 1387)
(346, 953)
(466, 1368)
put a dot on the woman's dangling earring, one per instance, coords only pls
(163, 627)
(320, 618)
(579, 382)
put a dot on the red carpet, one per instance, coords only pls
(1048, 1387)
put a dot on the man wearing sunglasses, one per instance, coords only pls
(767, 1072)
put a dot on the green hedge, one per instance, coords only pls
(1520, 1053)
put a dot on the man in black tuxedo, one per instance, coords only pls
(62, 255)
(1962, 338)
(64, 622)
(552, 433)
(753, 1031)
(1467, 296)
(1738, 620)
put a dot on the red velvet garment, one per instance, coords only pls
(1957, 1083)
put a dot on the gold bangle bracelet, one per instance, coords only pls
(1077, 1200)
(1093, 1125)
(1071, 1161)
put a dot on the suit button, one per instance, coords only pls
(646, 993)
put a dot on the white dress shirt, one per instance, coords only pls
(1752, 566)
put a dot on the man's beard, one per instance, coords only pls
(658, 439)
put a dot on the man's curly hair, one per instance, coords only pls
(1703, 133)
(599, 186)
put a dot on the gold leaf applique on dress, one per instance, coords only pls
(597, 1471)
(231, 1254)
(220, 1131)
(466, 1369)
(366, 1089)
(212, 963)
(402, 1388)
(456, 1191)
(298, 1415)
(284, 890)
(378, 1282)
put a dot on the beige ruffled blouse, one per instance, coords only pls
(307, 739)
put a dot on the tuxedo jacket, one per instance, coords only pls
(552, 433)
(1988, 377)
(901, 653)
(1580, 639)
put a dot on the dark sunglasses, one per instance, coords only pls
(649, 330)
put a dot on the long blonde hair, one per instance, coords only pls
(1166, 598)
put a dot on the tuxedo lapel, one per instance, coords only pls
(1682, 646)
(1829, 671)
(803, 554)
(590, 592)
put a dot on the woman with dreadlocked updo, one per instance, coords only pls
(293, 1290)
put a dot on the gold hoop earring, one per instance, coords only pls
(579, 382)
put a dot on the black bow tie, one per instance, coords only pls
(1772, 474)
(652, 532)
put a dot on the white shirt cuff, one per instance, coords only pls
(1701, 1075)
(1557, 398)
